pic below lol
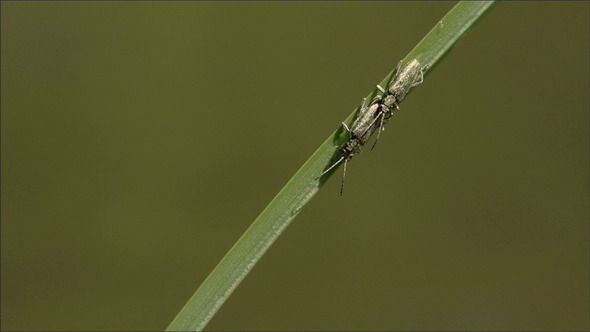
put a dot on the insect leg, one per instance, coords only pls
(346, 127)
(418, 82)
(363, 108)
(378, 97)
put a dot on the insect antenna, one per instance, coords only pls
(379, 132)
(343, 176)
(332, 166)
(382, 123)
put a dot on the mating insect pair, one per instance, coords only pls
(374, 116)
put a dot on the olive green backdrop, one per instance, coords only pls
(141, 139)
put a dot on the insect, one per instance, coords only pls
(374, 116)
(405, 79)
(360, 132)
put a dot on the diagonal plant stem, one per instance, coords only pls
(242, 257)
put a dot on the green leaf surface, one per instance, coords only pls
(273, 220)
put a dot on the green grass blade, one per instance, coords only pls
(242, 257)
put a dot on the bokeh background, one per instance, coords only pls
(141, 139)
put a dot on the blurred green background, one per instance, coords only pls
(141, 139)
